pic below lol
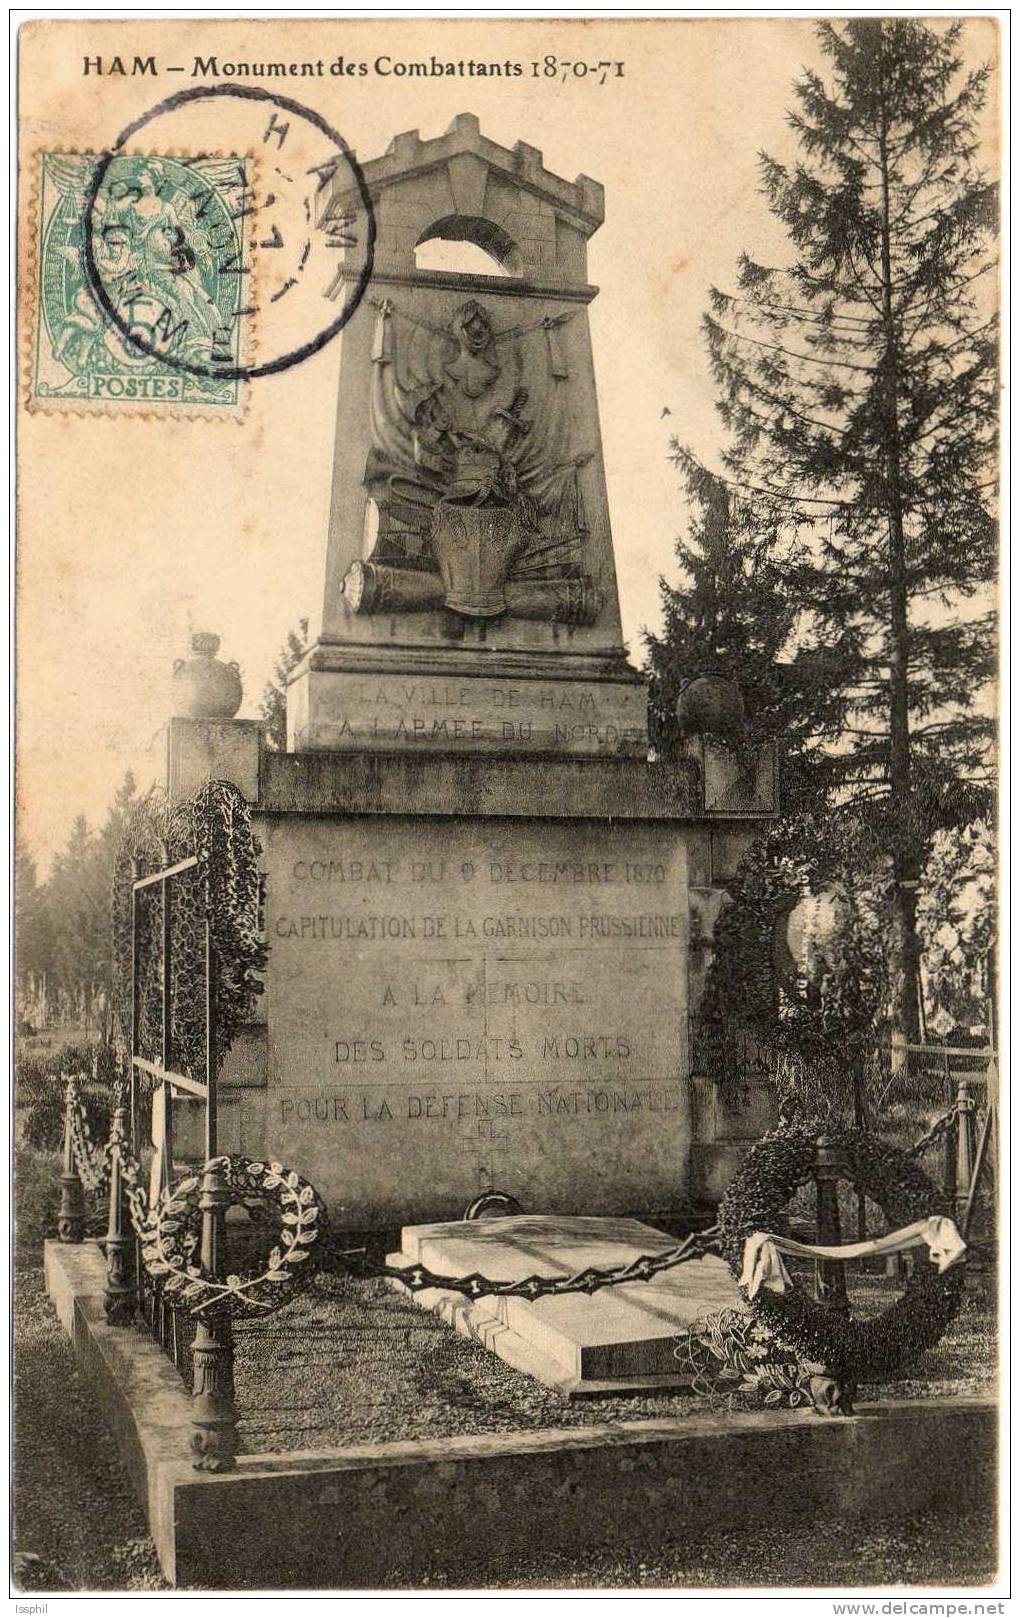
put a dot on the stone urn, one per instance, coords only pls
(203, 687)
(711, 706)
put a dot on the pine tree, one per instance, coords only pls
(273, 708)
(78, 905)
(732, 614)
(859, 386)
(33, 948)
(74, 927)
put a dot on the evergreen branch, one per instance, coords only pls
(800, 313)
(860, 282)
(683, 458)
(847, 365)
(741, 378)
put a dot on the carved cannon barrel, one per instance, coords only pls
(373, 587)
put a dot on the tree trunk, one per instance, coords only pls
(905, 860)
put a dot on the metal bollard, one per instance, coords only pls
(830, 1274)
(71, 1215)
(214, 1413)
(119, 1296)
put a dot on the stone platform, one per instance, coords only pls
(617, 1340)
(398, 1514)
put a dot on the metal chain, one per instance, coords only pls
(134, 1192)
(415, 1277)
(419, 1278)
(92, 1162)
(130, 1170)
(940, 1128)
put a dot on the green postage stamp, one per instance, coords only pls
(141, 283)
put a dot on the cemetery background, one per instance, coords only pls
(739, 1094)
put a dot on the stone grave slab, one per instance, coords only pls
(619, 1339)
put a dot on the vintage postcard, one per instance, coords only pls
(507, 1033)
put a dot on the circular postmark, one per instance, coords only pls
(291, 237)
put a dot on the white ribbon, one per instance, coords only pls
(764, 1267)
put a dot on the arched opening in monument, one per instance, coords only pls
(465, 245)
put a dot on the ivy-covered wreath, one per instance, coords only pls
(213, 826)
(174, 1233)
(852, 1350)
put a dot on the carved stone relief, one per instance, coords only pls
(479, 500)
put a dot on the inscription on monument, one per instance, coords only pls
(457, 1005)
(440, 713)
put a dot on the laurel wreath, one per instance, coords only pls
(174, 1234)
(852, 1350)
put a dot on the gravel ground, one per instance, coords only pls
(77, 1523)
(952, 1549)
(354, 1362)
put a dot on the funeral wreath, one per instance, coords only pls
(851, 1350)
(172, 1244)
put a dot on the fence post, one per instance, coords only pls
(987, 1129)
(119, 1296)
(213, 1411)
(964, 1149)
(71, 1217)
(860, 1122)
(830, 1275)
(949, 1144)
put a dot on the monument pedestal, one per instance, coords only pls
(478, 701)
(620, 1339)
(480, 976)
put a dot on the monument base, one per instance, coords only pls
(467, 1504)
(619, 1339)
(497, 702)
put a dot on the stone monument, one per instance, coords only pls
(479, 891)
(470, 593)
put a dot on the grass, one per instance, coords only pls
(367, 1365)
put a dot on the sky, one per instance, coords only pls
(133, 534)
